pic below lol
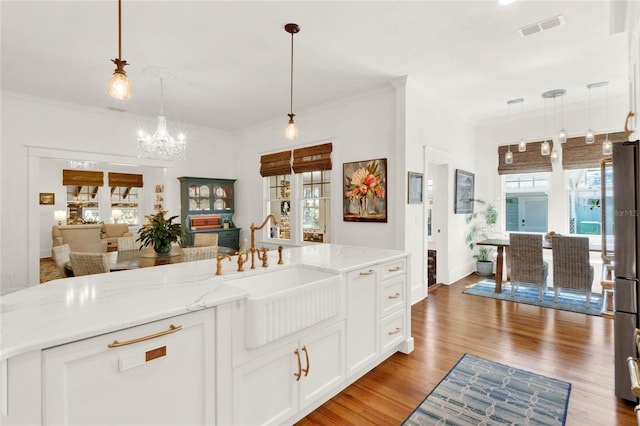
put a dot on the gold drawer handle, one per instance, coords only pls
(396, 269)
(367, 273)
(395, 296)
(396, 331)
(172, 329)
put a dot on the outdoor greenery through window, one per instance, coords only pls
(316, 212)
(526, 202)
(585, 201)
(125, 199)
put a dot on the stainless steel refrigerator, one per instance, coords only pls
(626, 187)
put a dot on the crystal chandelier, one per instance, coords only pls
(161, 145)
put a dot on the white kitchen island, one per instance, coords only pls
(176, 344)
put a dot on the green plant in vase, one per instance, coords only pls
(480, 222)
(160, 232)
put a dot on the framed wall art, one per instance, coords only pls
(365, 191)
(47, 198)
(414, 195)
(464, 192)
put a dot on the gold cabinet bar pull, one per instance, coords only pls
(172, 329)
(306, 354)
(299, 373)
(396, 269)
(369, 272)
(395, 296)
(396, 331)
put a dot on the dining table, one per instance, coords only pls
(502, 259)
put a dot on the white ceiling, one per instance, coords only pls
(230, 60)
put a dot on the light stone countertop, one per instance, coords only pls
(66, 310)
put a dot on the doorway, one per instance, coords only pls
(436, 217)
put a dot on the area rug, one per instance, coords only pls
(481, 392)
(567, 300)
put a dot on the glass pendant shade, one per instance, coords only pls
(607, 147)
(545, 149)
(508, 157)
(554, 156)
(522, 146)
(589, 138)
(291, 132)
(120, 86)
(562, 136)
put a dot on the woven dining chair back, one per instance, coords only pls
(199, 253)
(527, 265)
(88, 263)
(60, 255)
(571, 265)
(127, 243)
(204, 240)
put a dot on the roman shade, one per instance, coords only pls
(125, 179)
(530, 161)
(82, 178)
(312, 158)
(275, 164)
(576, 154)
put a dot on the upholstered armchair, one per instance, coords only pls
(527, 266)
(112, 231)
(81, 238)
(571, 266)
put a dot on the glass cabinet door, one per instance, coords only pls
(199, 198)
(222, 198)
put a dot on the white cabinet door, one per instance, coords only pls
(274, 387)
(168, 379)
(322, 356)
(362, 318)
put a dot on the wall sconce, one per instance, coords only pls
(60, 215)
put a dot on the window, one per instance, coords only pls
(83, 204)
(585, 201)
(125, 199)
(279, 204)
(316, 203)
(526, 202)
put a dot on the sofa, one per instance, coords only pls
(81, 238)
(91, 238)
(112, 231)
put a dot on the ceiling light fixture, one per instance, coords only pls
(291, 132)
(607, 147)
(508, 156)
(545, 149)
(81, 164)
(562, 134)
(161, 145)
(119, 84)
(589, 137)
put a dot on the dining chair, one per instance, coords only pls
(527, 265)
(203, 240)
(199, 253)
(60, 255)
(88, 263)
(127, 243)
(571, 266)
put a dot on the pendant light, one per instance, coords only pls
(522, 145)
(119, 84)
(545, 148)
(508, 156)
(291, 132)
(562, 134)
(590, 137)
(607, 146)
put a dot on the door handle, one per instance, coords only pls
(299, 373)
(306, 354)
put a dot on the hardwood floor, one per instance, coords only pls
(567, 346)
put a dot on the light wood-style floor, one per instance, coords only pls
(567, 346)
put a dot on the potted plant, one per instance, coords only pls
(159, 232)
(480, 222)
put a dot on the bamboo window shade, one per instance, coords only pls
(275, 164)
(82, 178)
(312, 158)
(125, 179)
(530, 161)
(576, 154)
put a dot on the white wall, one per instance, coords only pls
(36, 130)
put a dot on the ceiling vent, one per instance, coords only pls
(547, 24)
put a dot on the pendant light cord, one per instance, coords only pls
(120, 29)
(291, 78)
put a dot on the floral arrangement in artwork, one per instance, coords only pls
(366, 182)
(365, 190)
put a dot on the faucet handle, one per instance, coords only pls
(219, 263)
(280, 262)
(264, 257)
(242, 257)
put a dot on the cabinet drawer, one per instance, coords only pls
(392, 330)
(393, 296)
(393, 268)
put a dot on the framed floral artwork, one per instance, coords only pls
(365, 191)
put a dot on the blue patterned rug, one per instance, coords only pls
(481, 392)
(567, 300)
